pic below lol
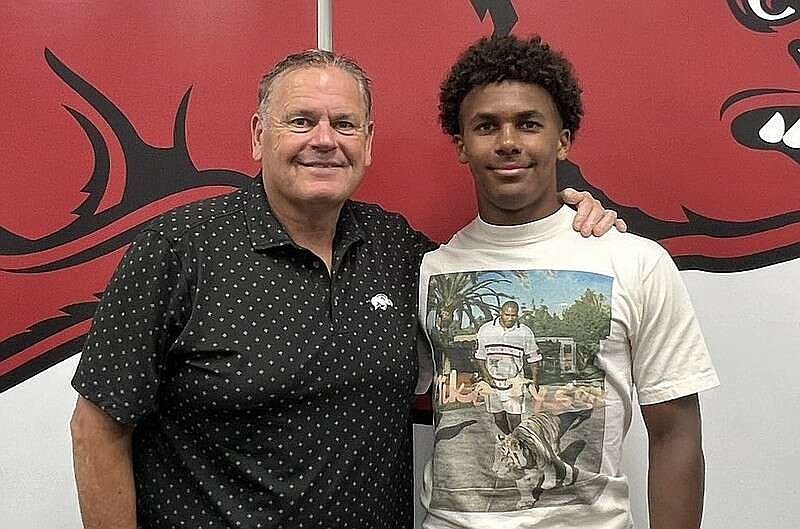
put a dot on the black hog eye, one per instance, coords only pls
(764, 15)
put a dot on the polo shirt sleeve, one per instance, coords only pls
(670, 358)
(123, 361)
(531, 347)
(480, 349)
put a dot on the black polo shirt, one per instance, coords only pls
(265, 391)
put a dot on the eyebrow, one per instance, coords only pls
(519, 115)
(305, 112)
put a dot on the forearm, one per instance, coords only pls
(103, 471)
(531, 370)
(676, 484)
(677, 467)
(484, 373)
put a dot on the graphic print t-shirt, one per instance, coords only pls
(609, 316)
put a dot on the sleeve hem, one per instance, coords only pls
(680, 389)
(114, 409)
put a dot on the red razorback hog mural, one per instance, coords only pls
(691, 129)
(114, 113)
(118, 111)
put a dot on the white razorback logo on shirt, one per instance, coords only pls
(381, 301)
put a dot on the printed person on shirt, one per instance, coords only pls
(508, 359)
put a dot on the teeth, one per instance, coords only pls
(774, 131)
(792, 136)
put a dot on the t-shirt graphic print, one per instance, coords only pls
(519, 397)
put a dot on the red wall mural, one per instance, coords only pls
(115, 113)
(120, 111)
(691, 129)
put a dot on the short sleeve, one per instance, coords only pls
(424, 362)
(670, 357)
(480, 349)
(123, 360)
(531, 347)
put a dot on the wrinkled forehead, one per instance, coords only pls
(319, 85)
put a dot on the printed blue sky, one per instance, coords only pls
(555, 288)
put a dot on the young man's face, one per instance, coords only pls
(512, 138)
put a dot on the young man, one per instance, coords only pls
(610, 316)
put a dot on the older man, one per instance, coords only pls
(252, 362)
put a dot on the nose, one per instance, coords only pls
(508, 140)
(322, 137)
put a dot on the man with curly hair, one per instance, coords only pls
(611, 315)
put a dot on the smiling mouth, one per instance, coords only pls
(322, 165)
(511, 170)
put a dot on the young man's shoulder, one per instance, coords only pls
(469, 239)
(627, 243)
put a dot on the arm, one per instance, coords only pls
(677, 467)
(101, 451)
(532, 351)
(592, 218)
(531, 369)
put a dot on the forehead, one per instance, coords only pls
(509, 310)
(508, 98)
(318, 89)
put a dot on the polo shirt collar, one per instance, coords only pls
(266, 231)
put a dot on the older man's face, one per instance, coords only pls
(314, 140)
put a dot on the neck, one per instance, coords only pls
(311, 226)
(512, 217)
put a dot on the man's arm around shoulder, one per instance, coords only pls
(101, 452)
(676, 476)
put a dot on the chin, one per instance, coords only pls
(326, 196)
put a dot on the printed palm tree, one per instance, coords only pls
(589, 320)
(461, 296)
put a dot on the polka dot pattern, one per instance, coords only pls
(265, 391)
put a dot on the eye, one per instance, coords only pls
(344, 126)
(484, 127)
(764, 15)
(529, 124)
(757, 7)
(301, 124)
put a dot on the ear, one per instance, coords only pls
(370, 134)
(256, 129)
(460, 148)
(564, 144)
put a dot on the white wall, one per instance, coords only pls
(37, 488)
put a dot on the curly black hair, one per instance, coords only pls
(496, 59)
